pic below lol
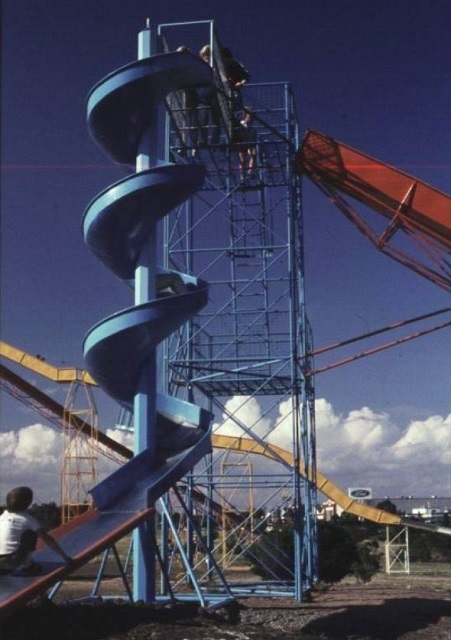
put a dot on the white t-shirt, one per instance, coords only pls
(12, 525)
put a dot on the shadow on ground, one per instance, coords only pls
(89, 621)
(413, 618)
(117, 621)
(390, 620)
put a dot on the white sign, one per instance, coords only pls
(362, 493)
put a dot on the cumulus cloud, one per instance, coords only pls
(241, 415)
(38, 446)
(431, 437)
(8, 443)
(31, 456)
(361, 448)
(35, 446)
(365, 448)
(123, 436)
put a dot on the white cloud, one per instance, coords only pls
(122, 436)
(243, 410)
(365, 429)
(362, 448)
(31, 456)
(282, 434)
(431, 437)
(365, 448)
(38, 446)
(33, 446)
(8, 443)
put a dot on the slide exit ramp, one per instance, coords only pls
(122, 504)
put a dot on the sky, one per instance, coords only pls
(375, 75)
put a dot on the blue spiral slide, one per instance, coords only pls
(116, 227)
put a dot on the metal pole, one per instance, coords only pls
(145, 398)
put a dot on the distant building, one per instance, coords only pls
(429, 510)
(432, 509)
(327, 510)
(429, 514)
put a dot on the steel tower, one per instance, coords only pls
(247, 352)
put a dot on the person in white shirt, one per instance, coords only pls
(18, 535)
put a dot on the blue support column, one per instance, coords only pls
(144, 561)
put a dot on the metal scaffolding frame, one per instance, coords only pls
(397, 558)
(79, 463)
(244, 355)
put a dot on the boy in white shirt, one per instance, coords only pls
(18, 535)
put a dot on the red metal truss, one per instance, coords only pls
(420, 211)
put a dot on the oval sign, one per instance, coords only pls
(360, 493)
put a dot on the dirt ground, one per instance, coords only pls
(388, 608)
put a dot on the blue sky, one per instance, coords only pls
(375, 75)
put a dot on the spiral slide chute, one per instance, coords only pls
(118, 221)
(134, 483)
(117, 347)
(117, 226)
(121, 106)
(115, 351)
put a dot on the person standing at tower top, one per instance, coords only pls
(236, 76)
(209, 113)
(187, 116)
(18, 536)
(247, 146)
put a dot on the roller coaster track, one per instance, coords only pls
(239, 445)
